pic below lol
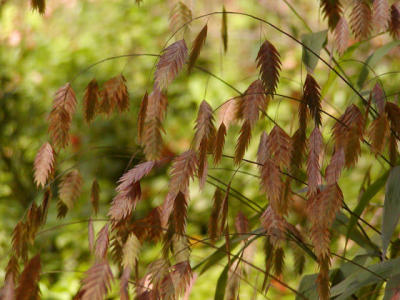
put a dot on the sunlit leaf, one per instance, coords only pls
(314, 41)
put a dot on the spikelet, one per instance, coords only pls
(224, 212)
(279, 261)
(299, 261)
(331, 9)
(190, 286)
(348, 133)
(241, 223)
(197, 45)
(203, 139)
(378, 95)
(286, 196)
(170, 63)
(202, 170)
(381, 15)
(243, 142)
(227, 112)
(322, 212)
(303, 116)
(394, 24)
(33, 222)
(44, 164)
(60, 117)
(28, 287)
(174, 282)
(219, 143)
(135, 175)
(233, 281)
(275, 225)
(123, 203)
(251, 103)
(12, 268)
(183, 169)
(335, 167)
(91, 235)
(117, 241)
(180, 213)
(269, 256)
(152, 139)
(65, 97)
(248, 110)
(124, 284)
(114, 95)
(313, 168)
(268, 60)
(378, 133)
(353, 146)
(360, 19)
(97, 281)
(154, 230)
(271, 184)
(224, 29)
(262, 152)
(20, 240)
(312, 97)
(181, 275)
(157, 271)
(102, 242)
(91, 100)
(341, 35)
(131, 251)
(393, 149)
(213, 228)
(39, 5)
(44, 206)
(204, 128)
(179, 16)
(393, 113)
(299, 140)
(62, 209)
(279, 146)
(323, 284)
(69, 188)
(129, 191)
(142, 116)
(94, 196)
(351, 117)
(8, 290)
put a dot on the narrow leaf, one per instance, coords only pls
(391, 207)
(315, 42)
(198, 44)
